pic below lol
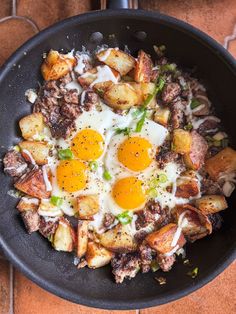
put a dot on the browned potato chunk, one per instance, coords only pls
(143, 68)
(187, 185)
(162, 239)
(223, 162)
(82, 238)
(210, 204)
(38, 150)
(57, 65)
(31, 125)
(117, 59)
(64, 237)
(118, 239)
(121, 96)
(197, 224)
(27, 203)
(143, 90)
(97, 256)
(87, 206)
(181, 141)
(32, 183)
(162, 116)
(31, 220)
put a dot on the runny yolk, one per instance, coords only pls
(87, 145)
(128, 193)
(71, 175)
(134, 153)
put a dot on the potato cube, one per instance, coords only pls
(143, 68)
(210, 204)
(223, 162)
(82, 238)
(161, 116)
(97, 256)
(64, 237)
(181, 141)
(87, 206)
(28, 203)
(117, 59)
(38, 150)
(187, 185)
(31, 125)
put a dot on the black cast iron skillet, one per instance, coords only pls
(31, 254)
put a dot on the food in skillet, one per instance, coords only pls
(122, 160)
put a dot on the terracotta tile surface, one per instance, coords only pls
(217, 18)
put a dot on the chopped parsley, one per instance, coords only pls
(125, 131)
(194, 103)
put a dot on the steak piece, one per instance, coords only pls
(170, 92)
(14, 164)
(166, 262)
(108, 220)
(31, 220)
(177, 114)
(48, 227)
(88, 99)
(125, 266)
(146, 257)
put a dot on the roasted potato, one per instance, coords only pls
(31, 125)
(38, 150)
(27, 203)
(117, 59)
(97, 256)
(87, 206)
(64, 237)
(196, 226)
(162, 239)
(46, 208)
(82, 238)
(181, 142)
(195, 158)
(143, 68)
(143, 90)
(118, 240)
(210, 204)
(32, 183)
(121, 96)
(223, 162)
(57, 65)
(161, 116)
(187, 185)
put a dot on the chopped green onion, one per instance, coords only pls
(154, 266)
(106, 175)
(193, 273)
(124, 218)
(56, 200)
(169, 67)
(224, 142)
(125, 131)
(152, 193)
(65, 154)
(161, 280)
(100, 92)
(93, 165)
(188, 127)
(140, 123)
(162, 178)
(194, 103)
(138, 112)
(217, 143)
(154, 183)
(16, 148)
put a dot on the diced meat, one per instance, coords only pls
(154, 75)
(32, 183)
(146, 257)
(108, 220)
(210, 187)
(125, 266)
(166, 262)
(62, 128)
(198, 150)
(31, 220)
(170, 92)
(48, 227)
(70, 110)
(216, 220)
(177, 114)
(71, 97)
(166, 156)
(65, 79)
(88, 100)
(14, 164)
(208, 126)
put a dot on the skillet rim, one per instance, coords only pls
(225, 57)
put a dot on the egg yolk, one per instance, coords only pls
(71, 175)
(128, 193)
(134, 153)
(87, 145)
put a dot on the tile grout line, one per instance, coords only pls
(11, 288)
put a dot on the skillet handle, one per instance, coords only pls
(119, 4)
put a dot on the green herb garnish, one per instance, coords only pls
(224, 142)
(106, 175)
(125, 131)
(193, 273)
(93, 165)
(124, 218)
(140, 123)
(194, 103)
(65, 154)
(188, 127)
(154, 266)
(152, 192)
(169, 67)
(162, 178)
(138, 112)
(56, 200)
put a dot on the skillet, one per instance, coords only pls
(138, 29)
